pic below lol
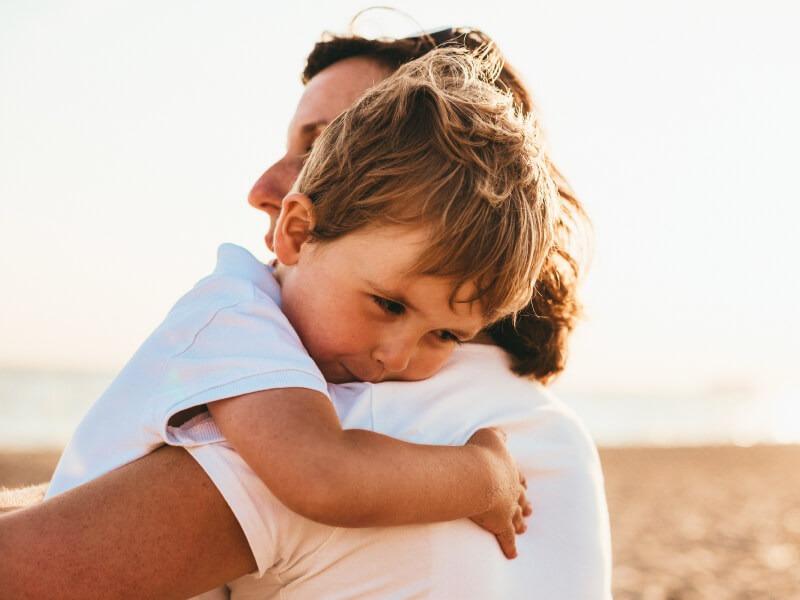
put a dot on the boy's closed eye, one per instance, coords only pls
(448, 336)
(390, 306)
(396, 308)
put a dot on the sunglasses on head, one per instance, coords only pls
(454, 35)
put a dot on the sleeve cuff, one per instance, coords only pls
(243, 492)
(199, 430)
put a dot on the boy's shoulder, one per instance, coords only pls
(236, 262)
(234, 311)
(238, 277)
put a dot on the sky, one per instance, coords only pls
(131, 132)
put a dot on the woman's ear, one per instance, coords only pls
(293, 228)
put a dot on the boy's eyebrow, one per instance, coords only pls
(399, 297)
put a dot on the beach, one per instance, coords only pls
(687, 523)
(712, 523)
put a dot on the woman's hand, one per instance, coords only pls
(510, 504)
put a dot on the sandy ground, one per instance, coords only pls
(710, 523)
(687, 523)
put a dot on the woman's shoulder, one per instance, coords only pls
(476, 389)
(484, 371)
(521, 403)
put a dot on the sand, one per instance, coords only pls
(687, 523)
(710, 523)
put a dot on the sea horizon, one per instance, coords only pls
(40, 408)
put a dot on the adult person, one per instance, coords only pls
(174, 523)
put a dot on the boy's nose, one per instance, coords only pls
(395, 355)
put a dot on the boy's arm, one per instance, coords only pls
(293, 440)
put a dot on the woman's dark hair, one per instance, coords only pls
(538, 339)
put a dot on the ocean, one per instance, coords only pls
(40, 409)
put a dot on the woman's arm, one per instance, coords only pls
(155, 528)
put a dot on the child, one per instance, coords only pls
(422, 214)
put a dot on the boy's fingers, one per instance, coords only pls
(527, 509)
(507, 543)
(500, 433)
(525, 505)
(519, 526)
(518, 522)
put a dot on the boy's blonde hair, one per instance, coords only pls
(438, 144)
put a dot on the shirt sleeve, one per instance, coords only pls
(277, 537)
(242, 348)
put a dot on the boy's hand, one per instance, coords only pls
(506, 516)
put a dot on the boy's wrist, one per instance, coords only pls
(486, 475)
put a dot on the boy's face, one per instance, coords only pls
(363, 317)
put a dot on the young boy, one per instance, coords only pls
(422, 214)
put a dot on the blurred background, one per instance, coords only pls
(131, 132)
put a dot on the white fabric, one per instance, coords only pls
(565, 553)
(225, 337)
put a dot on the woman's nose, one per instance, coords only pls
(270, 189)
(272, 186)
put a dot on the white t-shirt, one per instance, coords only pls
(565, 554)
(225, 337)
(228, 337)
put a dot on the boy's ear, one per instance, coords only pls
(293, 228)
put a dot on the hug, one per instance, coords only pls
(362, 416)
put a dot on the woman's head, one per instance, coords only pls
(325, 97)
(339, 70)
(391, 54)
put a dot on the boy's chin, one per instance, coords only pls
(336, 372)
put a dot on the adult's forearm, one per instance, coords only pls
(155, 528)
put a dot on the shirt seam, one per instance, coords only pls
(156, 413)
(211, 320)
(234, 381)
(279, 576)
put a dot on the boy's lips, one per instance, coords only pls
(372, 378)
